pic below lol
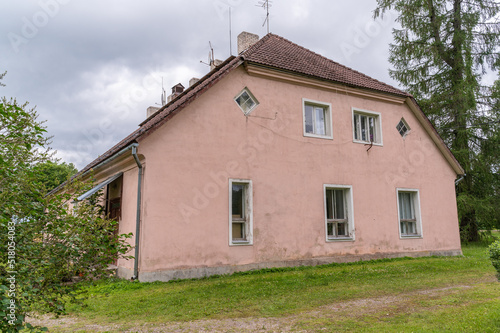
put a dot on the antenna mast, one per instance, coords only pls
(163, 93)
(266, 4)
(230, 45)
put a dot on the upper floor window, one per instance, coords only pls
(317, 119)
(246, 101)
(403, 127)
(409, 213)
(367, 127)
(338, 212)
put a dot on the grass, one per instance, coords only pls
(467, 297)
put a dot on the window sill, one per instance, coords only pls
(239, 243)
(368, 143)
(410, 237)
(340, 239)
(317, 136)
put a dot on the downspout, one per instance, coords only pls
(459, 180)
(138, 216)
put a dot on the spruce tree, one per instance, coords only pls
(440, 54)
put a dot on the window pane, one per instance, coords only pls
(320, 121)
(412, 227)
(329, 227)
(363, 128)
(356, 126)
(329, 204)
(238, 231)
(242, 98)
(309, 119)
(339, 213)
(371, 121)
(342, 230)
(238, 208)
(248, 105)
(403, 228)
(406, 210)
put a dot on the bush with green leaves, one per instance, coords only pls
(45, 241)
(494, 251)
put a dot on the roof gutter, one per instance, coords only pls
(138, 214)
(103, 163)
(112, 158)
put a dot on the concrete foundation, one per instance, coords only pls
(200, 272)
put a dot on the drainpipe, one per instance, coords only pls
(138, 216)
(459, 180)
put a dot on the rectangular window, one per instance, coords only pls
(240, 214)
(409, 213)
(367, 127)
(317, 119)
(338, 212)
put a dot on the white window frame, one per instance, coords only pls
(378, 126)
(416, 207)
(348, 201)
(256, 102)
(248, 212)
(328, 118)
(408, 129)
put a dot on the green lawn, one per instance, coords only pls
(432, 294)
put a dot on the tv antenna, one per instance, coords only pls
(163, 94)
(265, 4)
(211, 58)
(230, 45)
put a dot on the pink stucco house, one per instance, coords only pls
(279, 157)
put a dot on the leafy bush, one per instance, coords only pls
(45, 241)
(494, 251)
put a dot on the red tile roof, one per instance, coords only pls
(278, 52)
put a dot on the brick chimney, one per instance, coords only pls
(193, 81)
(215, 63)
(176, 91)
(150, 110)
(245, 40)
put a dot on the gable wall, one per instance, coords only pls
(190, 158)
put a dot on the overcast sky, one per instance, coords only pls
(92, 68)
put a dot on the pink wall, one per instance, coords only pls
(127, 223)
(191, 157)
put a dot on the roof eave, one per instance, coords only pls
(258, 69)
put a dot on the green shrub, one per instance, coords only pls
(494, 250)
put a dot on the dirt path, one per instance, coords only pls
(355, 309)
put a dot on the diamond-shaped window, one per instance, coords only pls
(246, 101)
(403, 127)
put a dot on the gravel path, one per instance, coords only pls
(356, 308)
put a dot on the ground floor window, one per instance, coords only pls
(338, 212)
(240, 212)
(409, 213)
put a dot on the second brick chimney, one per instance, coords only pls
(245, 40)
(176, 91)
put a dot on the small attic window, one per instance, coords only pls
(246, 101)
(403, 127)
